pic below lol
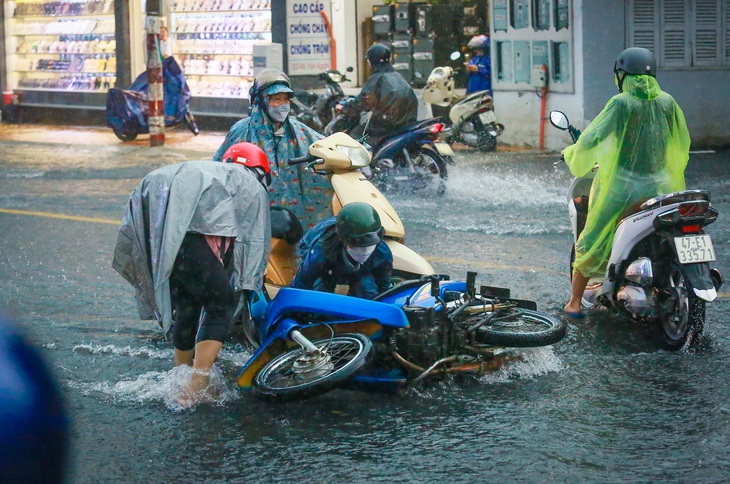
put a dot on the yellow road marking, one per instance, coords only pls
(478, 264)
(61, 216)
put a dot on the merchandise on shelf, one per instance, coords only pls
(62, 45)
(213, 41)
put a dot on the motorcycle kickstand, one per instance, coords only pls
(411, 166)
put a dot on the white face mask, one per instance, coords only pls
(280, 112)
(360, 254)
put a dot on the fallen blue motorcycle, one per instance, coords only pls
(127, 110)
(313, 342)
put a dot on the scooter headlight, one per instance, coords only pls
(357, 155)
(640, 272)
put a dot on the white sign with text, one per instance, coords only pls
(307, 38)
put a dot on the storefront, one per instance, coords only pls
(61, 57)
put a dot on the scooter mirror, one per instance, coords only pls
(349, 69)
(559, 120)
(455, 55)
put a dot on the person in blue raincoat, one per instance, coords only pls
(270, 127)
(346, 250)
(479, 68)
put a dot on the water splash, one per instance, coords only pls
(95, 349)
(161, 387)
(533, 362)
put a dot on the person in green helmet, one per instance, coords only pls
(641, 144)
(346, 250)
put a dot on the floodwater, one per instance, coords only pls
(604, 405)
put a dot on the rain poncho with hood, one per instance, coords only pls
(195, 196)
(641, 144)
(391, 100)
(306, 194)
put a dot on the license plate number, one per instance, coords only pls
(694, 248)
(487, 117)
(444, 149)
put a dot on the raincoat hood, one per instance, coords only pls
(306, 194)
(641, 145)
(221, 199)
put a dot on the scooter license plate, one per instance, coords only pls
(694, 248)
(444, 149)
(487, 117)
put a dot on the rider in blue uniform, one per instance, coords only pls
(346, 250)
(479, 69)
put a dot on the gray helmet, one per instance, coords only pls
(358, 225)
(378, 54)
(267, 78)
(636, 60)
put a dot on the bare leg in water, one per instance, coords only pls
(576, 293)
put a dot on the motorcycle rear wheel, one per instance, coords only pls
(686, 319)
(522, 328)
(125, 137)
(292, 376)
(430, 171)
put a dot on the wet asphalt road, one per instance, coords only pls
(604, 405)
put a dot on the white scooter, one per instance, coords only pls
(341, 158)
(472, 118)
(659, 270)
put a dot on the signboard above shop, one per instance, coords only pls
(308, 42)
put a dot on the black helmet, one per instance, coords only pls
(267, 78)
(636, 60)
(358, 225)
(378, 54)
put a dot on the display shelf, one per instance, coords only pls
(213, 41)
(61, 46)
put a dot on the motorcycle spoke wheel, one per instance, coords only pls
(684, 318)
(522, 328)
(296, 375)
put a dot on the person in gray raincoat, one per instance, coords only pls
(196, 235)
(270, 127)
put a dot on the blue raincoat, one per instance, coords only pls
(306, 194)
(480, 80)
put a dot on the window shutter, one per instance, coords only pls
(726, 28)
(675, 38)
(707, 37)
(644, 25)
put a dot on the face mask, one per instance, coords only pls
(360, 254)
(279, 113)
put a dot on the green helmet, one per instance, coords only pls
(358, 225)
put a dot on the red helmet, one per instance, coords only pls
(250, 156)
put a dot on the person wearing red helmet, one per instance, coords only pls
(196, 237)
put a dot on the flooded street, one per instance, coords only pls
(603, 405)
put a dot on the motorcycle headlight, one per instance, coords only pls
(335, 77)
(640, 272)
(357, 155)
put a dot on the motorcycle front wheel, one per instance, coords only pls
(685, 318)
(521, 328)
(296, 375)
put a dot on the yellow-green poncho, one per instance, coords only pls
(641, 144)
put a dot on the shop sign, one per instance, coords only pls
(307, 37)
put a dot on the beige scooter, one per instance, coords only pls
(341, 157)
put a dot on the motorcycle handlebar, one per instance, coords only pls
(302, 159)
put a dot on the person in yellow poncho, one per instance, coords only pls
(641, 144)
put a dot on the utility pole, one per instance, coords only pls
(155, 89)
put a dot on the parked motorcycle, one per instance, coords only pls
(411, 159)
(472, 119)
(316, 110)
(659, 269)
(127, 111)
(341, 158)
(312, 342)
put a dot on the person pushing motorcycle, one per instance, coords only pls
(641, 143)
(196, 236)
(347, 250)
(387, 95)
